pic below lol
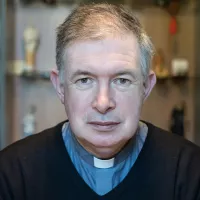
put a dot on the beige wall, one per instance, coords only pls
(158, 107)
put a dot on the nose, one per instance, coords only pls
(103, 101)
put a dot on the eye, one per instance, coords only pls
(84, 82)
(122, 82)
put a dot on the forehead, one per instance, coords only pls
(105, 53)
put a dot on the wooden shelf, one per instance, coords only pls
(33, 76)
(174, 79)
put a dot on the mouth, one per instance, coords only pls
(104, 126)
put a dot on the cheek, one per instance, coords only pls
(78, 102)
(129, 102)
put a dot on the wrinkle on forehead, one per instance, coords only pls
(115, 47)
(103, 60)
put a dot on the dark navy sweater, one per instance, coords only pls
(39, 168)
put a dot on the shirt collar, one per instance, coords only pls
(99, 163)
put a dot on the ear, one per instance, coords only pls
(54, 76)
(149, 84)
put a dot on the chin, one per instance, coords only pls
(102, 150)
(105, 142)
(105, 154)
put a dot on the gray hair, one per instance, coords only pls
(98, 21)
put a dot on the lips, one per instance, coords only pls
(104, 126)
(103, 123)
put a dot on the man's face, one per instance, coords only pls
(103, 91)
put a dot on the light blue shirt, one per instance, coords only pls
(103, 180)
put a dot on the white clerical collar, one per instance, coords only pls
(103, 164)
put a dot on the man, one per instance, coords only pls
(104, 151)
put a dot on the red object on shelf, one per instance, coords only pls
(173, 26)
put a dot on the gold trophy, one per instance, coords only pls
(31, 41)
(160, 69)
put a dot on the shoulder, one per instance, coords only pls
(30, 146)
(175, 149)
(181, 158)
(169, 141)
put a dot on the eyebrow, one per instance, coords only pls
(118, 73)
(81, 73)
(125, 72)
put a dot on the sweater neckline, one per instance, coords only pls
(78, 181)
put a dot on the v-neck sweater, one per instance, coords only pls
(39, 167)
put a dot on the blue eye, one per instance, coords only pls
(84, 82)
(122, 82)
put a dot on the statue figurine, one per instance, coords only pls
(31, 41)
(177, 119)
(29, 122)
(159, 65)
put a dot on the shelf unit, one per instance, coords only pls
(32, 76)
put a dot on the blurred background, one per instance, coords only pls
(28, 102)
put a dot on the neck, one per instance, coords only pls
(102, 153)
